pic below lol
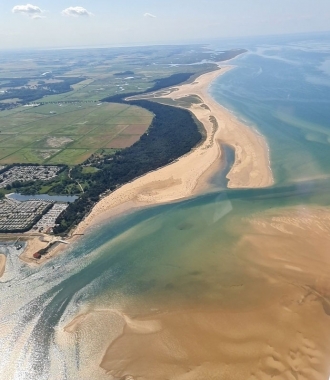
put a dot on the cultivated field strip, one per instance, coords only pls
(69, 133)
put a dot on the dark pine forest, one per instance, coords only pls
(172, 133)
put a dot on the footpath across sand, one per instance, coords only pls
(2, 264)
(183, 177)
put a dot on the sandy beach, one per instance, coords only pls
(35, 244)
(188, 175)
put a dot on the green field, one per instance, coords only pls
(70, 125)
(62, 133)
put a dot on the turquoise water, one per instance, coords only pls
(283, 90)
(173, 255)
(219, 180)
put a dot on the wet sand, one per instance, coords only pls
(215, 344)
(35, 244)
(188, 175)
(270, 320)
(259, 311)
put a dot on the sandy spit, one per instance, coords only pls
(35, 244)
(183, 177)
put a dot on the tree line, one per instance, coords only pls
(173, 133)
(27, 94)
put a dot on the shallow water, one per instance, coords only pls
(224, 285)
(219, 180)
(282, 89)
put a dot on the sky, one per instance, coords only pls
(74, 23)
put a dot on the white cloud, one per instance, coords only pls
(28, 9)
(149, 15)
(38, 17)
(76, 12)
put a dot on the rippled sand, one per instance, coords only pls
(268, 319)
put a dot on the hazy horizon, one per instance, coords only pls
(237, 42)
(100, 23)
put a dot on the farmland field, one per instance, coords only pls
(68, 122)
(62, 133)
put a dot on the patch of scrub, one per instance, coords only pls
(45, 154)
(58, 142)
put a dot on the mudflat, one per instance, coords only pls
(270, 320)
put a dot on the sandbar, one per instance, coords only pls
(272, 335)
(257, 320)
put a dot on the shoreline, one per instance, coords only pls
(251, 168)
(37, 243)
(189, 175)
(32, 246)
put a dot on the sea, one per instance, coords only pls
(184, 290)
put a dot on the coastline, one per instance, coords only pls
(191, 173)
(32, 246)
(38, 243)
(222, 283)
(251, 168)
(188, 175)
